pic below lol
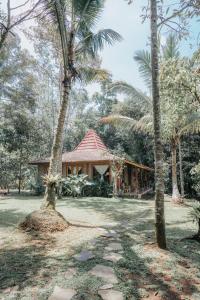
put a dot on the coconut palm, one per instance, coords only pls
(143, 58)
(187, 123)
(74, 21)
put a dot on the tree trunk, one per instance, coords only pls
(59, 171)
(50, 195)
(20, 178)
(181, 169)
(3, 38)
(159, 176)
(198, 233)
(176, 197)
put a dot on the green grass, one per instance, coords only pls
(31, 265)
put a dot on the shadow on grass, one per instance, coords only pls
(138, 274)
(10, 217)
(118, 210)
(19, 266)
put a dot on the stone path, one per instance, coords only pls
(114, 247)
(104, 272)
(107, 291)
(111, 295)
(62, 294)
(84, 256)
(114, 257)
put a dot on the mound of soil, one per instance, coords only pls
(44, 221)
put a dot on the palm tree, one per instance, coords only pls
(187, 123)
(74, 21)
(158, 148)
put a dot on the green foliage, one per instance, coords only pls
(23, 133)
(7, 168)
(98, 188)
(195, 172)
(195, 213)
(73, 185)
(143, 58)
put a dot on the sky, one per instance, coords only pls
(126, 20)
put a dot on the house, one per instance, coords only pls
(93, 158)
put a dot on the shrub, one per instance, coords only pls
(98, 189)
(195, 214)
(73, 185)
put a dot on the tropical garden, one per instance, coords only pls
(73, 237)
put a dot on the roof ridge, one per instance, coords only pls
(91, 141)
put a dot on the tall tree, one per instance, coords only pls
(74, 20)
(159, 176)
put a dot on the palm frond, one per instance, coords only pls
(92, 43)
(91, 74)
(87, 11)
(125, 88)
(145, 124)
(119, 120)
(192, 124)
(143, 58)
(170, 50)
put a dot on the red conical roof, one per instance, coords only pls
(90, 149)
(91, 141)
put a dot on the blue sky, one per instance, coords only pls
(126, 20)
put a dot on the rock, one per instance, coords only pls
(84, 256)
(70, 273)
(62, 294)
(104, 272)
(106, 286)
(111, 295)
(114, 257)
(114, 247)
(110, 234)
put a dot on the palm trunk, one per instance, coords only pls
(20, 178)
(159, 176)
(176, 197)
(50, 195)
(198, 233)
(181, 169)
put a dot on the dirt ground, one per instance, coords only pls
(31, 265)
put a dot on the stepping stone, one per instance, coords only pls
(106, 286)
(114, 257)
(104, 272)
(110, 234)
(111, 295)
(114, 247)
(62, 294)
(84, 256)
(70, 273)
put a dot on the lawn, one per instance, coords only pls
(32, 265)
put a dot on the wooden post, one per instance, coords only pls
(110, 173)
(64, 169)
(136, 180)
(72, 169)
(66, 166)
(85, 169)
(90, 171)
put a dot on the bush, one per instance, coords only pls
(98, 189)
(196, 178)
(73, 185)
